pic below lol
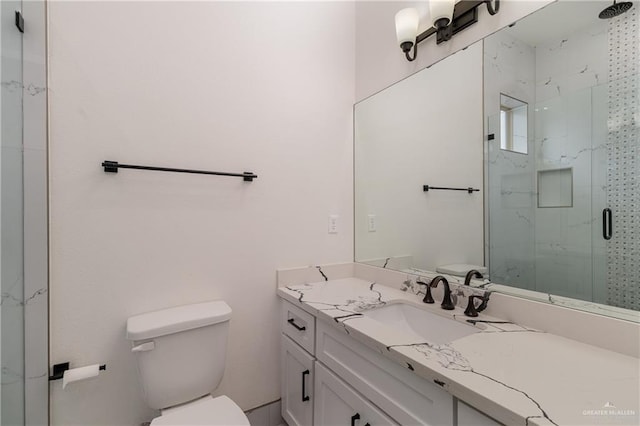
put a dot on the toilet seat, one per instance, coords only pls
(207, 411)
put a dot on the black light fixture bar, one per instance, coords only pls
(113, 166)
(465, 14)
(470, 190)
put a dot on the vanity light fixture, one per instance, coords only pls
(447, 19)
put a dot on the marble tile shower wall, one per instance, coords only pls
(511, 64)
(24, 302)
(11, 223)
(570, 133)
(623, 147)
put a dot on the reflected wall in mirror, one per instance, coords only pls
(424, 130)
(561, 198)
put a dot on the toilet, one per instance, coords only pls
(181, 355)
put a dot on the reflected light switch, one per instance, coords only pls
(333, 224)
(371, 223)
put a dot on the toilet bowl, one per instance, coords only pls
(181, 355)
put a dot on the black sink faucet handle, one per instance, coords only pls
(485, 301)
(427, 297)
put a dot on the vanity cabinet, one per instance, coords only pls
(328, 378)
(297, 369)
(336, 403)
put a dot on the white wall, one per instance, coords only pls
(404, 140)
(265, 87)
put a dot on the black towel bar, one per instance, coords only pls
(470, 190)
(113, 166)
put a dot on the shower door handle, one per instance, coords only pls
(607, 224)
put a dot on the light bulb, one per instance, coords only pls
(407, 21)
(441, 10)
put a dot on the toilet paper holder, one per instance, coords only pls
(59, 369)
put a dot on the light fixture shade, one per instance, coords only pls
(407, 21)
(441, 9)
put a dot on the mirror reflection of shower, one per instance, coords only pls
(561, 216)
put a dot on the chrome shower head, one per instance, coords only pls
(615, 9)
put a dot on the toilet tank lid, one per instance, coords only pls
(180, 318)
(460, 269)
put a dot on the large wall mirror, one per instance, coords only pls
(542, 118)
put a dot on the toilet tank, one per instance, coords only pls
(180, 351)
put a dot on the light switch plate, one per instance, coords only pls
(371, 223)
(333, 224)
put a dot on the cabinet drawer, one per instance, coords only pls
(299, 325)
(337, 403)
(407, 398)
(297, 376)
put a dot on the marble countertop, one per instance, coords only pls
(515, 374)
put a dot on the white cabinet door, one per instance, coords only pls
(297, 384)
(337, 404)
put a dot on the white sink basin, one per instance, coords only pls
(431, 327)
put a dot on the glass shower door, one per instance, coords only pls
(565, 143)
(11, 219)
(545, 204)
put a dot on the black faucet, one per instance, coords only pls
(446, 300)
(470, 274)
(427, 297)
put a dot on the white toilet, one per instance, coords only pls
(181, 355)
